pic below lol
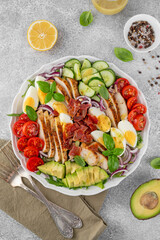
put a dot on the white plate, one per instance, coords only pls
(17, 108)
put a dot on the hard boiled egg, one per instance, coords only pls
(98, 136)
(31, 99)
(129, 132)
(104, 123)
(41, 94)
(118, 138)
(64, 118)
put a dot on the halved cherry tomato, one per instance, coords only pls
(30, 129)
(22, 143)
(24, 117)
(36, 142)
(139, 122)
(121, 83)
(131, 116)
(140, 108)
(129, 91)
(131, 102)
(33, 163)
(31, 151)
(17, 128)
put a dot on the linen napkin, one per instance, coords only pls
(31, 213)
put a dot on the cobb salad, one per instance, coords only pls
(80, 124)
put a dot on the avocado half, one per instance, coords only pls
(145, 201)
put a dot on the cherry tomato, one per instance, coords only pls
(36, 142)
(131, 116)
(139, 122)
(129, 91)
(140, 108)
(30, 129)
(131, 102)
(121, 83)
(31, 151)
(24, 117)
(33, 163)
(17, 128)
(22, 143)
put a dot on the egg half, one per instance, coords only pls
(41, 94)
(98, 136)
(104, 123)
(118, 138)
(129, 132)
(31, 99)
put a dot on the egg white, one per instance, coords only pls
(31, 99)
(98, 136)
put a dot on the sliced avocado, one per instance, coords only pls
(71, 167)
(103, 175)
(64, 180)
(70, 180)
(53, 168)
(81, 176)
(145, 201)
(68, 167)
(76, 180)
(91, 175)
(96, 171)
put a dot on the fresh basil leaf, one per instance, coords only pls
(108, 141)
(104, 92)
(155, 163)
(123, 54)
(107, 153)
(53, 87)
(31, 113)
(79, 160)
(15, 114)
(58, 97)
(118, 151)
(48, 97)
(113, 163)
(38, 173)
(31, 83)
(86, 18)
(44, 86)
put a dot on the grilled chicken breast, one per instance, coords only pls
(51, 137)
(60, 139)
(57, 155)
(62, 90)
(122, 105)
(63, 82)
(89, 155)
(102, 161)
(43, 133)
(74, 86)
(110, 112)
(115, 105)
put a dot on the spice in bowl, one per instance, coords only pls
(141, 34)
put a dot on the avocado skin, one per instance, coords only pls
(154, 214)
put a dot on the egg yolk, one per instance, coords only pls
(28, 102)
(130, 137)
(41, 96)
(104, 123)
(60, 107)
(100, 140)
(118, 142)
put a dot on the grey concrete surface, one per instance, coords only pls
(18, 60)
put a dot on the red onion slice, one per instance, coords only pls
(57, 67)
(43, 154)
(102, 107)
(134, 151)
(128, 159)
(95, 103)
(46, 108)
(134, 158)
(118, 171)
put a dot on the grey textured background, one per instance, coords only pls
(18, 60)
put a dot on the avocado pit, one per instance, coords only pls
(149, 200)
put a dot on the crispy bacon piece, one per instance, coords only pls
(74, 151)
(73, 107)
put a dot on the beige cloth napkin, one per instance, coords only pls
(31, 213)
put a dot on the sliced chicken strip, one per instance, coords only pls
(122, 105)
(61, 90)
(110, 112)
(115, 105)
(74, 86)
(51, 137)
(57, 156)
(89, 155)
(102, 161)
(63, 82)
(43, 133)
(60, 138)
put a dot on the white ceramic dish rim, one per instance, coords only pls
(17, 108)
(153, 22)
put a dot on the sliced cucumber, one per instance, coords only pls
(67, 72)
(88, 71)
(96, 98)
(86, 79)
(86, 64)
(108, 76)
(84, 90)
(100, 65)
(77, 71)
(70, 63)
(95, 84)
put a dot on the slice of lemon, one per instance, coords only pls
(42, 35)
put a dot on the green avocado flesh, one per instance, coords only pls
(71, 167)
(145, 201)
(53, 168)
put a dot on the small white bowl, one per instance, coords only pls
(152, 21)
